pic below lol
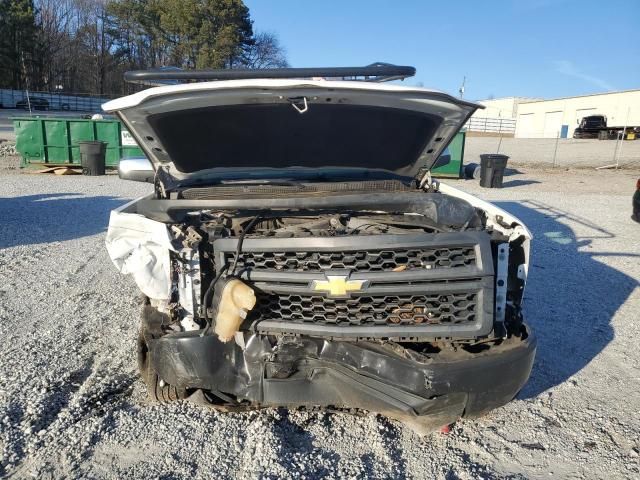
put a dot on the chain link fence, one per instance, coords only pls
(43, 101)
(557, 152)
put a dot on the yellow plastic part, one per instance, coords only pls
(236, 301)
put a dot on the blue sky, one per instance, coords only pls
(534, 48)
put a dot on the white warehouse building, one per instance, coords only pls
(538, 118)
(560, 116)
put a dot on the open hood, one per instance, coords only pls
(247, 125)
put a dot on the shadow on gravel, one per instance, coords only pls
(571, 296)
(295, 439)
(11, 436)
(53, 217)
(509, 171)
(58, 398)
(518, 183)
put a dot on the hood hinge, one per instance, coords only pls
(163, 183)
(427, 183)
(423, 178)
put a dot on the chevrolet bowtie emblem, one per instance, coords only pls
(337, 285)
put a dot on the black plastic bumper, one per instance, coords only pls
(424, 391)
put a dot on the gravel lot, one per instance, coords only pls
(72, 405)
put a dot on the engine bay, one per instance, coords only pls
(322, 225)
(260, 247)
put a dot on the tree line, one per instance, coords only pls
(85, 46)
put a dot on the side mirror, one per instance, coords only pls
(443, 159)
(137, 169)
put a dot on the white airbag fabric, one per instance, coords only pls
(140, 247)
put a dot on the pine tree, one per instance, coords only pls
(205, 33)
(18, 36)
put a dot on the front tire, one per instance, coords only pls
(157, 390)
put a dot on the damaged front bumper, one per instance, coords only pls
(425, 391)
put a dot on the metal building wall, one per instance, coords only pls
(545, 118)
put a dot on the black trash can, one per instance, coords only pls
(492, 167)
(92, 157)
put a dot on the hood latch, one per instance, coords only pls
(299, 103)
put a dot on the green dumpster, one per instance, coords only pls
(54, 141)
(454, 168)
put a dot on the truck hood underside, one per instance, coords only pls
(195, 129)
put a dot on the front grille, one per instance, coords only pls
(401, 310)
(359, 261)
(422, 286)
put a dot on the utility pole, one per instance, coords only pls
(461, 89)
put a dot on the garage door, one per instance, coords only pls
(524, 126)
(552, 124)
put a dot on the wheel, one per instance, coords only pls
(157, 390)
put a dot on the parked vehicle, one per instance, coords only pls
(35, 102)
(296, 251)
(595, 126)
(636, 203)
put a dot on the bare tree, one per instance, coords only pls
(53, 18)
(266, 52)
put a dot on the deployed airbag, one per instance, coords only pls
(140, 247)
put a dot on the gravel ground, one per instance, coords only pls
(73, 406)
